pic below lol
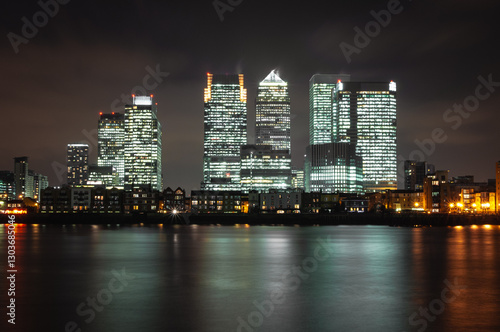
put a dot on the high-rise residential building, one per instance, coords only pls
(321, 88)
(364, 114)
(40, 182)
(20, 175)
(263, 168)
(415, 173)
(35, 183)
(272, 113)
(78, 164)
(225, 128)
(142, 146)
(110, 143)
(333, 167)
(497, 187)
(437, 192)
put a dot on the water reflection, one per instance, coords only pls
(199, 278)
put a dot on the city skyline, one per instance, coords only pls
(65, 63)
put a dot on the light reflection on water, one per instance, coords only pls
(203, 278)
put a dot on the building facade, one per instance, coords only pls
(104, 176)
(281, 202)
(78, 164)
(298, 179)
(142, 147)
(225, 131)
(364, 114)
(263, 168)
(110, 143)
(173, 200)
(321, 89)
(7, 186)
(272, 113)
(20, 175)
(333, 167)
(35, 184)
(215, 201)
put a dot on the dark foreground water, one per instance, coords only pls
(339, 278)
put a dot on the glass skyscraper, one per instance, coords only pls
(110, 143)
(267, 165)
(142, 147)
(321, 88)
(272, 118)
(334, 167)
(225, 128)
(78, 164)
(364, 114)
(263, 168)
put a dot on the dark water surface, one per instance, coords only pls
(202, 278)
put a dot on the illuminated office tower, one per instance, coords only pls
(263, 168)
(320, 106)
(272, 118)
(110, 143)
(298, 178)
(267, 165)
(78, 164)
(333, 167)
(225, 128)
(364, 114)
(142, 148)
(103, 176)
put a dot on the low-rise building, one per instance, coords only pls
(281, 202)
(141, 200)
(204, 201)
(405, 200)
(173, 200)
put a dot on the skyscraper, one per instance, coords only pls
(142, 147)
(320, 106)
(333, 167)
(225, 128)
(364, 114)
(267, 165)
(105, 176)
(272, 118)
(263, 168)
(110, 143)
(78, 164)
(20, 175)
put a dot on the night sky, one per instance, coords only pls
(92, 52)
